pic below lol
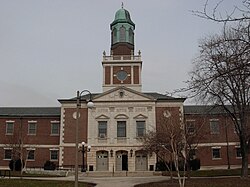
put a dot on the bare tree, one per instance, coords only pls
(213, 12)
(221, 76)
(169, 142)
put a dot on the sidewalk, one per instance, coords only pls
(109, 181)
(121, 181)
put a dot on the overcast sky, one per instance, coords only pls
(49, 49)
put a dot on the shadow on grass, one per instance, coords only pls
(39, 183)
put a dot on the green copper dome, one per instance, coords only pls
(122, 16)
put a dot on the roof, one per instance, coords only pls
(122, 16)
(30, 111)
(159, 96)
(204, 109)
(151, 95)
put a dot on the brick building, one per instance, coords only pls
(121, 116)
(32, 132)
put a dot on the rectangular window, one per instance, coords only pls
(7, 154)
(31, 154)
(53, 154)
(32, 128)
(238, 152)
(216, 153)
(190, 127)
(102, 129)
(140, 128)
(214, 127)
(9, 127)
(121, 128)
(55, 128)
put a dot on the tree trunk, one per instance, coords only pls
(244, 154)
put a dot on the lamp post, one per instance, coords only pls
(76, 115)
(84, 149)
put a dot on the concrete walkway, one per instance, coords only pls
(110, 181)
(121, 181)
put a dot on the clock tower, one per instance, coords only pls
(122, 67)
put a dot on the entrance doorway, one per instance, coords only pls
(102, 161)
(121, 161)
(141, 161)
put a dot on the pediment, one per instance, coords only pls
(123, 94)
(140, 116)
(102, 117)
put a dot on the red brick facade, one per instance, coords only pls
(42, 140)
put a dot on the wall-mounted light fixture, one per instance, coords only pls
(111, 153)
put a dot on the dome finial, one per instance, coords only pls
(122, 4)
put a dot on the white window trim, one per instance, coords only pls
(31, 149)
(218, 147)
(6, 148)
(53, 149)
(32, 122)
(54, 122)
(211, 120)
(9, 121)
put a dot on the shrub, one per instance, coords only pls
(195, 164)
(48, 165)
(16, 165)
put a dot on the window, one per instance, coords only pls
(140, 128)
(55, 128)
(121, 129)
(131, 36)
(53, 154)
(238, 152)
(7, 154)
(190, 127)
(32, 128)
(216, 153)
(9, 127)
(102, 129)
(214, 127)
(122, 34)
(31, 154)
(114, 34)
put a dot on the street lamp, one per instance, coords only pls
(76, 115)
(84, 149)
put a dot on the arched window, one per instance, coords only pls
(122, 34)
(114, 36)
(131, 36)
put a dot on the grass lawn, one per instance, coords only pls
(39, 183)
(206, 182)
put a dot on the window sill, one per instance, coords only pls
(216, 158)
(54, 134)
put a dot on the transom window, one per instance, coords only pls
(102, 129)
(55, 128)
(32, 128)
(140, 128)
(214, 127)
(9, 127)
(121, 128)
